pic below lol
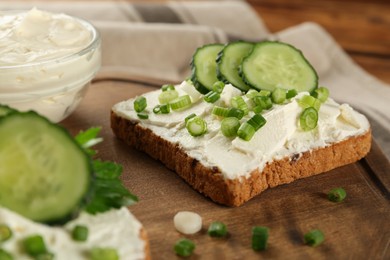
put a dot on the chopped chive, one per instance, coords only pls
(196, 126)
(259, 238)
(278, 96)
(220, 111)
(239, 102)
(314, 238)
(263, 101)
(184, 247)
(258, 109)
(230, 126)
(181, 102)
(321, 93)
(265, 93)
(4, 255)
(80, 233)
(167, 87)
(246, 131)
(308, 119)
(142, 115)
(217, 229)
(337, 195)
(189, 117)
(257, 121)
(218, 86)
(44, 256)
(306, 101)
(211, 97)
(317, 104)
(291, 93)
(162, 109)
(252, 93)
(5, 232)
(235, 112)
(34, 245)
(106, 253)
(140, 104)
(167, 96)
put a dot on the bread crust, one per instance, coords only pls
(234, 192)
(144, 236)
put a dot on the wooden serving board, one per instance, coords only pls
(358, 228)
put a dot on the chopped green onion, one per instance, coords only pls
(189, 117)
(317, 104)
(220, 111)
(162, 109)
(99, 253)
(34, 245)
(308, 119)
(278, 96)
(259, 238)
(181, 102)
(140, 104)
(252, 93)
(235, 112)
(142, 115)
(196, 126)
(80, 233)
(263, 101)
(167, 87)
(257, 121)
(265, 93)
(306, 101)
(218, 86)
(184, 247)
(258, 109)
(4, 255)
(5, 232)
(291, 93)
(321, 93)
(211, 97)
(229, 126)
(314, 238)
(217, 229)
(246, 131)
(44, 256)
(167, 96)
(337, 195)
(239, 102)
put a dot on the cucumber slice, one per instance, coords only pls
(229, 60)
(273, 65)
(44, 173)
(204, 67)
(5, 110)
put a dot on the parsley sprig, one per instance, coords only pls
(107, 189)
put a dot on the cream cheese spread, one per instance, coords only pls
(117, 229)
(280, 137)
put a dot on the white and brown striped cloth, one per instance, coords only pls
(155, 42)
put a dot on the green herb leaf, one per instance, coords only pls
(88, 138)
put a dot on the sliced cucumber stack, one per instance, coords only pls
(273, 65)
(44, 173)
(203, 65)
(229, 61)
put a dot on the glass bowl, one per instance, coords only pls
(53, 87)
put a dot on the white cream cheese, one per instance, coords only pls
(280, 137)
(117, 229)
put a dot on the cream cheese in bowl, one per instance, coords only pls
(46, 61)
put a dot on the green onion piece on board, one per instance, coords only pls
(263, 101)
(257, 121)
(337, 195)
(181, 102)
(142, 115)
(246, 131)
(314, 238)
(259, 238)
(321, 93)
(211, 97)
(239, 102)
(220, 111)
(99, 253)
(217, 229)
(167, 96)
(230, 126)
(278, 96)
(291, 93)
(184, 247)
(80, 233)
(140, 104)
(34, 245)
(167, 87)
(189, 117)
(4, 255)
(218, 86)
(235, 112)
(196, 126)
(308, 119)
(5, 233)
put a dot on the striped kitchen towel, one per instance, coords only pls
(154, 43)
